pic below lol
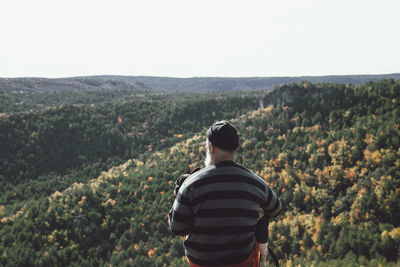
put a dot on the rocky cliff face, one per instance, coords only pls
(292, 93)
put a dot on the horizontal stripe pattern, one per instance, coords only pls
(222, 230)
(237, 244)
(218, 252)
(223, 239)
(180, 217)
(182, 199)
(228, 212)
(223, 203)
(214, 195)
(221, 261)
(228, 178)
(218, 206)
(225, 221)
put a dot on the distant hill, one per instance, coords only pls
(195, 84)
(205, 84)
(68, 84)
(27, 94)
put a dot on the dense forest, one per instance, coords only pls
(330, 151)
(51, 149)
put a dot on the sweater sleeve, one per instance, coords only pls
(261, 232)
(272, 205)
(181, 216)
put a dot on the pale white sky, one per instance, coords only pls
(186, 38)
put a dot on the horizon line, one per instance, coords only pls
(197, 77)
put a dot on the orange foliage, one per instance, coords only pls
(370, 139)
(320, 142)
(351, 175)
(151, 252)
(315, 128)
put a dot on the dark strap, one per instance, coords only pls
(270, 252)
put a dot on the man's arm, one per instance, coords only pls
(180, 217)
(272, 206)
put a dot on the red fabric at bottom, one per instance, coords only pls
(251, 261)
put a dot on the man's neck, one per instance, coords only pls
(224, 158)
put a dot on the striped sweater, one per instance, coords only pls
(217, 208)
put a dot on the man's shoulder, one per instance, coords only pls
(239, 169)
(213, 170)
(204, 172)
(255, 177)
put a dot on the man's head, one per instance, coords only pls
(222, 142)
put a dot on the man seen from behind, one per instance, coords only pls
(218, 207)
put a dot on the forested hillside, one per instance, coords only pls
(46, 151)
(331, 152)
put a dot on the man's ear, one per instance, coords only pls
(212, 149)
